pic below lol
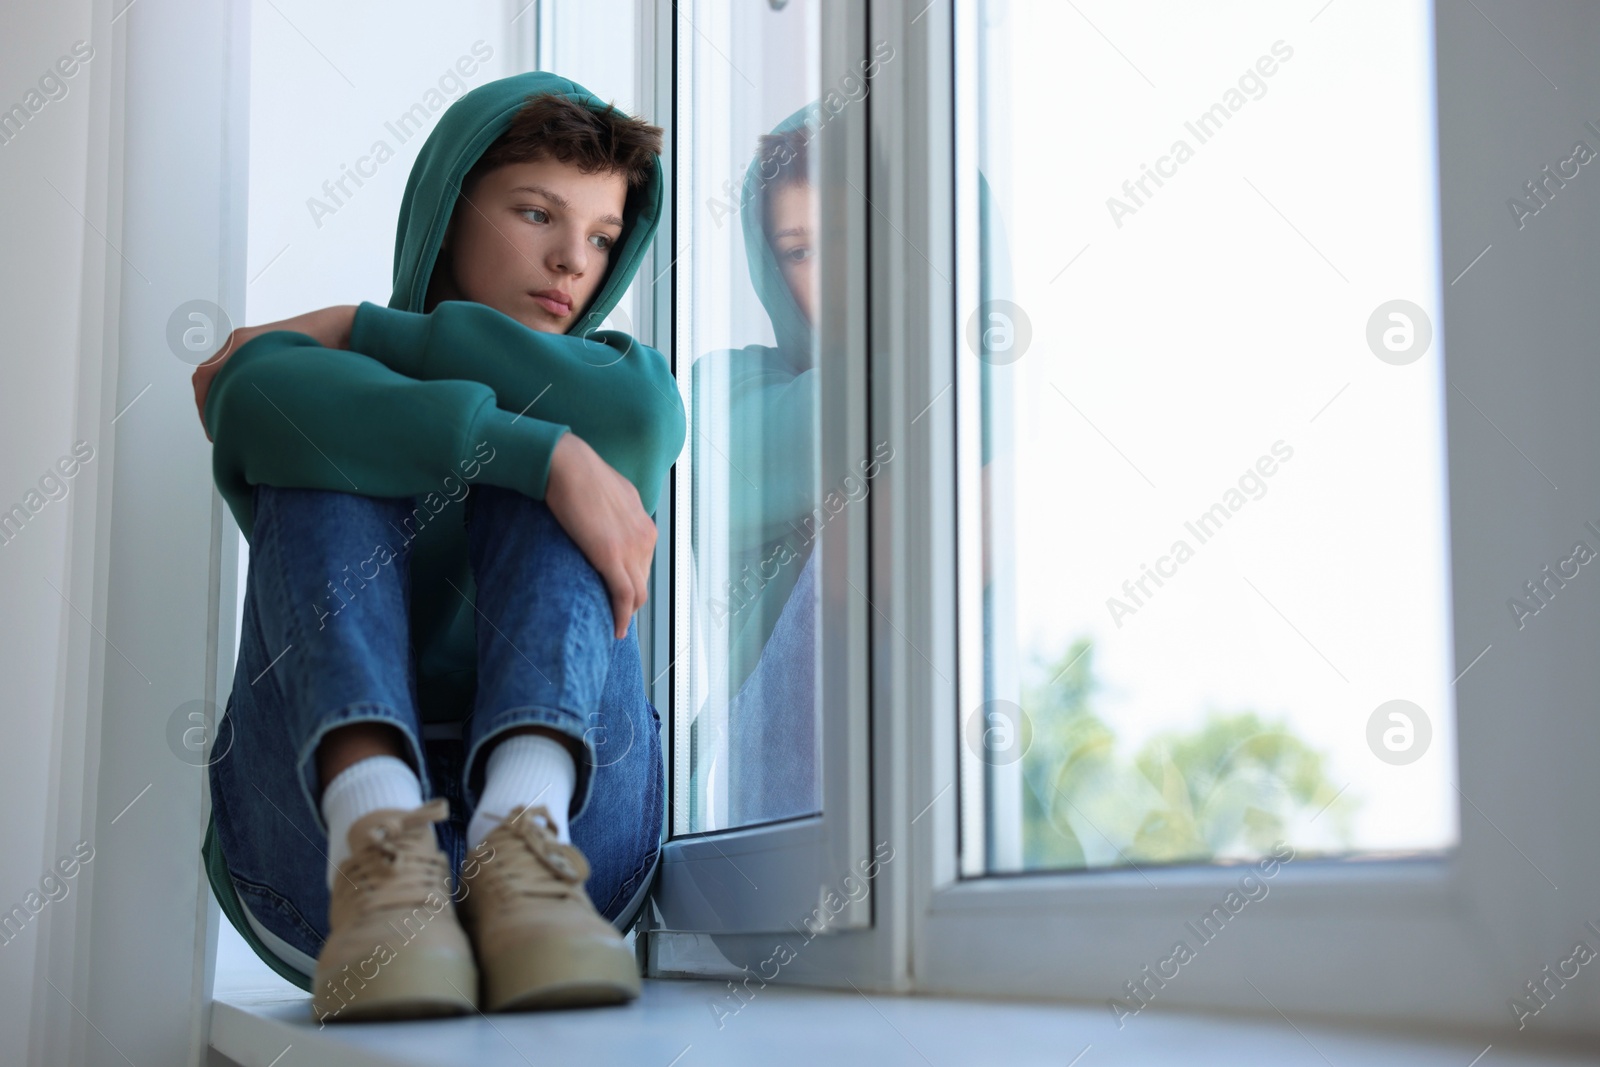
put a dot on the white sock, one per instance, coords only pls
(368, 785)
(526, 769)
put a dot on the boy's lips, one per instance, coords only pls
(554, 301)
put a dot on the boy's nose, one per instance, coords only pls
(568, 257)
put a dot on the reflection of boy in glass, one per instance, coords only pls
(768, 395)
(789, 215)
(777, 504)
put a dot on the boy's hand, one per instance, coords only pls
(601, 512)
(329, 327)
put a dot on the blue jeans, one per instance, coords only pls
(311, 660)
(772, 720)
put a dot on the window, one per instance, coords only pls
(1209, 515)
(1380, 922)
(746, 733)
(769, 659)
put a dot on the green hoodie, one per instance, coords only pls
(424, 401)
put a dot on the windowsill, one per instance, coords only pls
(673, 1024)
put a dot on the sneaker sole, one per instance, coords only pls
(563, 974)
(426, 987)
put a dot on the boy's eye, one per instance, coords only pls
(602, 242)
(798, 255)
(544, 216)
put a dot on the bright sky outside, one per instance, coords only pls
(1228, 312)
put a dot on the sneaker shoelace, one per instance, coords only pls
(400, 864)
(560, 869)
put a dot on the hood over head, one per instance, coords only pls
(789, 324)
(464, 132)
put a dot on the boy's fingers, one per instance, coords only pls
(642, 584)
(623, 593)
(641, 591)
(619, 609)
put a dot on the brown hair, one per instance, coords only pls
(784, 159)
(552, 126)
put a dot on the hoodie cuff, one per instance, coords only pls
(398, 339)
(522, 449)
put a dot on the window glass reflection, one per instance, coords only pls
(752, 132)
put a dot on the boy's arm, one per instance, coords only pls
(616, 395)
(614, 392)
(771, 415)
(285, 411)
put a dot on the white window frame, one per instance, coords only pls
(723, 893)
(1449, 941)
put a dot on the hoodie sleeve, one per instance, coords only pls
(617, 394)
(771, 414)
(285, 411)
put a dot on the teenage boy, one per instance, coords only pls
(380, 618)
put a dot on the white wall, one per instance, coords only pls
(49, 251)
(327, 84)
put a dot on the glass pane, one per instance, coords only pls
(749, 137)
(1215, 604)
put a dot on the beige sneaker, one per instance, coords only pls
(395, 948)
(540, 942)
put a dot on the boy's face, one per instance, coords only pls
(532, 240)
(791, 224)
